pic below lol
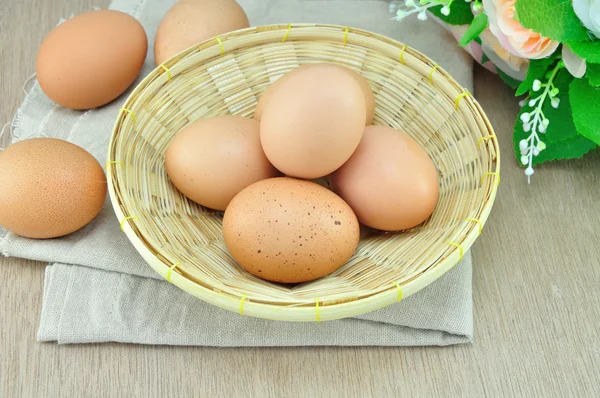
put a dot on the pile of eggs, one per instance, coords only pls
(297, 180)
(50, 187)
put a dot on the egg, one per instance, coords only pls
(367, 93)
(213, 159)
(363, 83)
(288, 230)
(91, 59)
(190, 22)
(49, 188)
(313, 122)
(390, 181)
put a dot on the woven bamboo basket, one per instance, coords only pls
(183, 242)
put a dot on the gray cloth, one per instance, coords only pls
(99, 289)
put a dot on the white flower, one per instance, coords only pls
(541, 145)
(523, 145)
(573, 62)
(537, 85)
(529, 171)
(588, 11)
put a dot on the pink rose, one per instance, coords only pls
(512, 65)
(512, 35)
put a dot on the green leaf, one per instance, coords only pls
(460, 13)
(585, 101)
(561, 139)
(537, 69)
(590, 50)
(551, 18)
(573, 148)
(484, 59)
(593, 74)
(512, 83)
(479, 24)
(561, 125)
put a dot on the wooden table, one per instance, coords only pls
(536, 281)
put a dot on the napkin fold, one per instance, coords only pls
(99, 289)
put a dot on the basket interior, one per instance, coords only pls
(412, 94)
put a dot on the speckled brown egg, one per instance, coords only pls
(49, 188)
(190, 22)
(290, 231)
(390, 181)
(91, 59)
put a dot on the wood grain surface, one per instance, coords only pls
(536, 279)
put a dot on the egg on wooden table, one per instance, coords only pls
(313, 121)
(91, 59)
(190, 22)
(288, 230)
(49, 188)
(213, 159)
(390, 181)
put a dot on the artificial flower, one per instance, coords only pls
(588, 11)
(573, 62)
(511, 64)
(518, 40)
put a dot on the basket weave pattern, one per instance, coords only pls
(183, 241)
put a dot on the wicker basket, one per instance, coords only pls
(182, 241)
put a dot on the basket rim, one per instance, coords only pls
(320, 310)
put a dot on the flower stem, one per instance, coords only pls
(533, 141)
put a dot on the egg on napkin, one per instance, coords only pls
(390, 181)
(288, 230)
(49, 188)
(91, 59)
(213, 159)
(190, 22)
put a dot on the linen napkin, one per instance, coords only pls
(98, 288)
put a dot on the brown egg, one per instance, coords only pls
(91, 59)
(390, 182)
(266, 97)
(313, 121)
(367, 92)
(290, 231)
(190, 22)
(364, 85)
(210, 161)
(49, 188)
